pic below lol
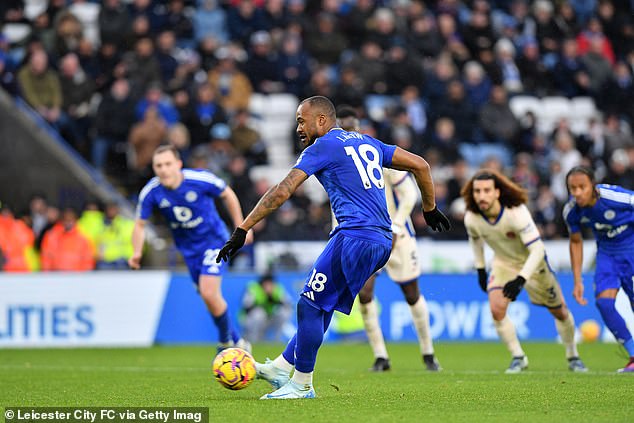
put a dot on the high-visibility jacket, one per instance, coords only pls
(91, 224)
(66, 250)
(16, 244)
(115, 241)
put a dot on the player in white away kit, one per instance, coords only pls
(497, 215)
(403, 266)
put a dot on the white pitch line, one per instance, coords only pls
(101, 368)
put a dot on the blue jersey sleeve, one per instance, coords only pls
(146, 204)
(311, 161)
(571, 217)
(206, 182)
(388, 153)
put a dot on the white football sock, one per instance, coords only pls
(302, 378)
(566, 330)
(420, 317)
(506, 332)
(373, 329)
(281, 363)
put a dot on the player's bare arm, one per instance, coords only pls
(576, 261)
(274, 198)
(138, 238)
(232, 203)
(404, 160)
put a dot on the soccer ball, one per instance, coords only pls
(590, 330)
(234, 368)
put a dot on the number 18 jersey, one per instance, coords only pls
(349, 167)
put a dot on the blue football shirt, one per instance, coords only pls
(611, 218)
(189, 210)
(349, 167)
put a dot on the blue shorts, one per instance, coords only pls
(614, 271)
(205, 264)
(341, 270)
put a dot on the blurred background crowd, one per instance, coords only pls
(530, 87)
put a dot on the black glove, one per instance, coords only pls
(512, 288)
(482, 279)
(232, 246)
(436, 220)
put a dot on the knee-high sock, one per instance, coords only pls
(615, 323)
(373, 329)
(566, 330)
(506, 332)
(224, 327)
(420, 317)
(311, 326)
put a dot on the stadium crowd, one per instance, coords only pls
(119, 77)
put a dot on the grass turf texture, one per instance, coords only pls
(471, 388)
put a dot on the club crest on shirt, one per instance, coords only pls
(609, 214)
(191, 196)
(511, 235)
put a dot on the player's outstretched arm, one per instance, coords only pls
(232, 203)
(271, 201)
(404, 160)
(576, 262)
(138, 238)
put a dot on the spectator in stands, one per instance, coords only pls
(533, 72)
(153, 12)
(266, 309)
(68, 32)
(90, 222)
(17, 253)
(598, 67)
(142, 68)
(180, 22)
(205, 113)
(78, 91)
(143, 139)
(65, 248)
(292, 65)
(370, 67)
(243, 20)
(114, 22)
(210, 20)
(476, 83)
(423, 37)
(617, 94)
(505, 57)
(402, 69)
(88, 14)
(497, 120)
(261, 66)
(113, 120)
(326, 42)
(178, 136)
(166, 57)
(232, 87)
(570, 74)
(593, 33)
(246, 140)
(41, 88)
(157, 99)
(114, 244)
(458, 110)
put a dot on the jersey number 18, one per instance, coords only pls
(372, 167)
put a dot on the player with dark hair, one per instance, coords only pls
(497, 214)
(349, 166)
(403, 266)
(185, 197)
(609, 211)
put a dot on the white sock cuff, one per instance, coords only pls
(302, 378)
(281, 363)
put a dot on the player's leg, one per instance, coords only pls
(278, 371)
(609, 277)
(420, 318)
(369, 312)
(210, 291)
(543, 289)
(499, 304)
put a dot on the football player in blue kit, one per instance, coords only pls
(609, 211)
(349, 167)
(185, 198)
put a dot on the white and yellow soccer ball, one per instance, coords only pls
(590, 330)
(234, 368)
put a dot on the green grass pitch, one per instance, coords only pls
(471, 388)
